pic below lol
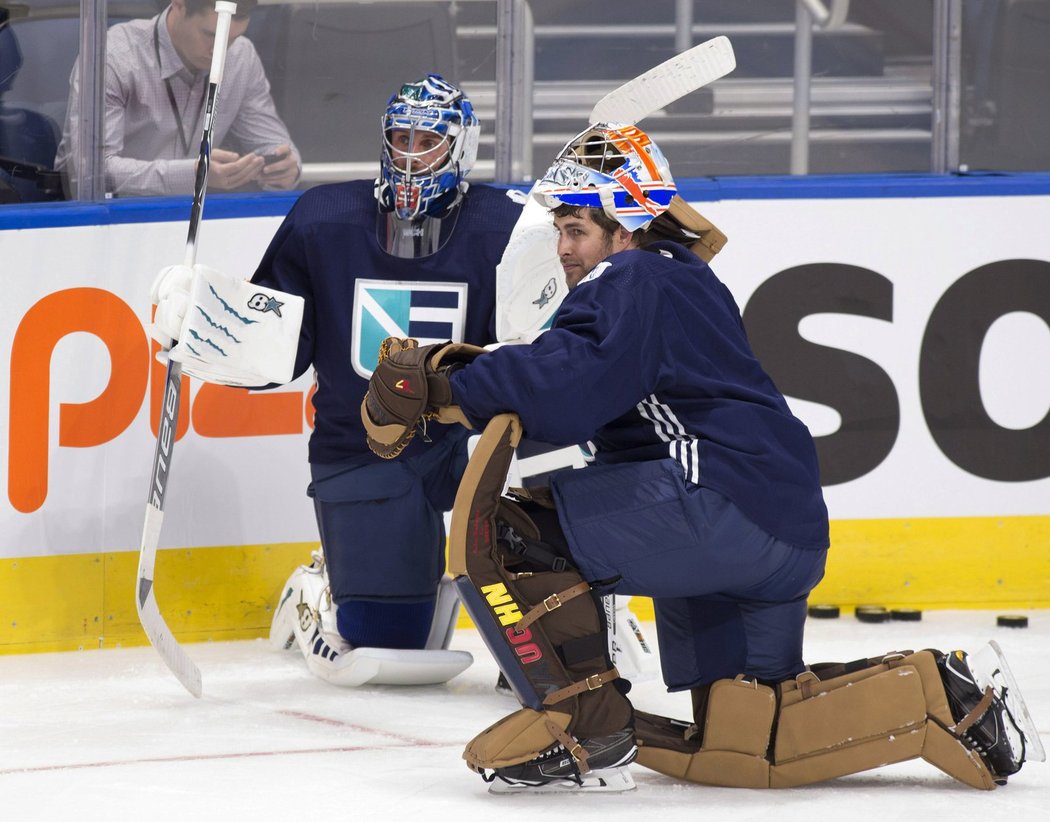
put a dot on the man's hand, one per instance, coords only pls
(229, 170)
(280, 173)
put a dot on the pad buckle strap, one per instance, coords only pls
(590, 683)
(576, 750)
(979, 710)
(551, 603)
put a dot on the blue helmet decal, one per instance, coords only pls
(612, 167)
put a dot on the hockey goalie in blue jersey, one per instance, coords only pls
(411, 254)
(704, 495)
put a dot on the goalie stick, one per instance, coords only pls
(153, 623)
(529, 280)
(663, 84)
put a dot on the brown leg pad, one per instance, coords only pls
(740, 715)
(886, 713)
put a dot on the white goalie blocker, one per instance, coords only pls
(530, 282)
(230, 331)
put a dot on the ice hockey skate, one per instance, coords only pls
(990, 712)
(559, 771)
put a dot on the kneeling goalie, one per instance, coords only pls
(704, 495)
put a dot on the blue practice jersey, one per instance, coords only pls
(648, 359)
(327, 251)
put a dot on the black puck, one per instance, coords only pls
(823, 611)
(1011, 621)
(906, 614)
(872, 613)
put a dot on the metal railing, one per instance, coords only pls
(517, 101)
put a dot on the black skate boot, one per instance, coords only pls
(502, 686)
(989, 712)
(605, 758)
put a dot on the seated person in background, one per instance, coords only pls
(156, 86)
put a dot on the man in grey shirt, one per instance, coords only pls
(156, 86)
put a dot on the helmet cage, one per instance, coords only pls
(616, 168)
(409, 184)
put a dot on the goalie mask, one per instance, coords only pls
(615, 168)
(430, 142)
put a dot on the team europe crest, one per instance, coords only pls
(429, 312)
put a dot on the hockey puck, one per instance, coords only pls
(823, 611)
(906, 614)
(872, 613)
(1011, 621)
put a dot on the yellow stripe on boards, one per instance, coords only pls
(87, 601)
(963, 562)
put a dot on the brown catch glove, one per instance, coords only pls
(408, 387)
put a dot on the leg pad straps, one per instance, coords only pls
(809, 730)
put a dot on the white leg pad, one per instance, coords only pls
(446, 614)
(305, 616)
(389, 666)
(305, 590)
(629, 649)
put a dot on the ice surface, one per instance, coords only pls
(111, 735)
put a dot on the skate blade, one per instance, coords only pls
(610, 780)
(990, 663)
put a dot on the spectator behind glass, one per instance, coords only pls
(156, 87)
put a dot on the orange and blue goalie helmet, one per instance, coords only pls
(613, 167)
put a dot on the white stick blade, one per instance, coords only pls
(667, 82)
(157, 630)
(164, 641)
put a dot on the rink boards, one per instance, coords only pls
(907, 319)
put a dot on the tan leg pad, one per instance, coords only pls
(517, 738)
(942, 749)
(736, 737)
(880, 715)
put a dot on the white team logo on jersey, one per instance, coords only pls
(428, 312)
(595, 272)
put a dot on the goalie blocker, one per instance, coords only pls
(229, 331)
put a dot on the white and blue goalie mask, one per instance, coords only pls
(430, 143)
(613, 167)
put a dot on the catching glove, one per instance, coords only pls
(408, 387)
